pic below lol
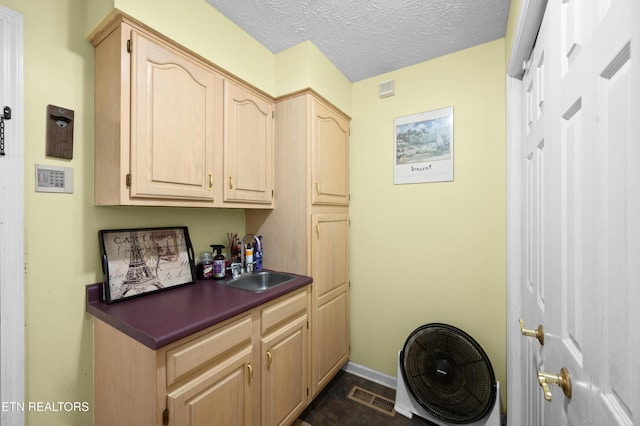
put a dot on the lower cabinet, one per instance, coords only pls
(249, 370)
(210, 377)
(285, 344)
(330, 339)
(220, 395)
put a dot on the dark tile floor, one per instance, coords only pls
(333, 407)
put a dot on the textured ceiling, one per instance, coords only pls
(365, 38)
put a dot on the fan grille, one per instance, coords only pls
(448, 373)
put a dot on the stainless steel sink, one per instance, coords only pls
(258, 282)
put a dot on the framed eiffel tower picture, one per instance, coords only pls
(136, 262)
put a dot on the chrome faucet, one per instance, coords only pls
(236, 270)
(245, 266)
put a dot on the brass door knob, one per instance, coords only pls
(563, 380)
(537, 333)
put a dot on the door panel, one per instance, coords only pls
(616, 118)
(572, 224)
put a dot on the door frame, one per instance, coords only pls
(635, 129)
(634, 204)
(529, 20)
(12, 354)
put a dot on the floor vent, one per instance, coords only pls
(377, 402)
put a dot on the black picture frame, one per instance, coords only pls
(139, 261)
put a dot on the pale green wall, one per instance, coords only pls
(304, 65)
(512, 23)
(431, 252)
(434, 252)
(207, 32)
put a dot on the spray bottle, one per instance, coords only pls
(219, 267)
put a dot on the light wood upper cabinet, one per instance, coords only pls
(173, 115)
(330, 155)
(248, 145)
(171, 129)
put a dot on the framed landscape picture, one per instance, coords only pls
(140, 261)
(423, 147)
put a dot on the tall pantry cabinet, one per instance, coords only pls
(308, 231)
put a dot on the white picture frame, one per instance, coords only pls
(423, 147)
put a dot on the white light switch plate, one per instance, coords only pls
(54, 179)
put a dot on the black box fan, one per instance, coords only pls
(445, 377)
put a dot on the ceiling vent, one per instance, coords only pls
(387, 88)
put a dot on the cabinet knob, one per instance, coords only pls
(210, 181)
(250, 370)
(230, 182)
(269, 359)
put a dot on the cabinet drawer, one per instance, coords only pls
(283, 310)
(195, 353)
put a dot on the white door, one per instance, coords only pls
(580, 218)
(11, 222)
(533, 288)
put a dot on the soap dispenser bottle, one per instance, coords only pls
(257, 254)
(219, 267)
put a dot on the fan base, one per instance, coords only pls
(407, 406)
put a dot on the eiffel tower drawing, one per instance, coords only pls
(139, 275)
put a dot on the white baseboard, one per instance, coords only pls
(371, 375)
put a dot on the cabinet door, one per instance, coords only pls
(285, 372)
(330, 341)
(173, 114)
(330, 304)
(330, 155)
(221, 395)
(248, 146)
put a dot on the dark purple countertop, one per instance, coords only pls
(158, 319)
